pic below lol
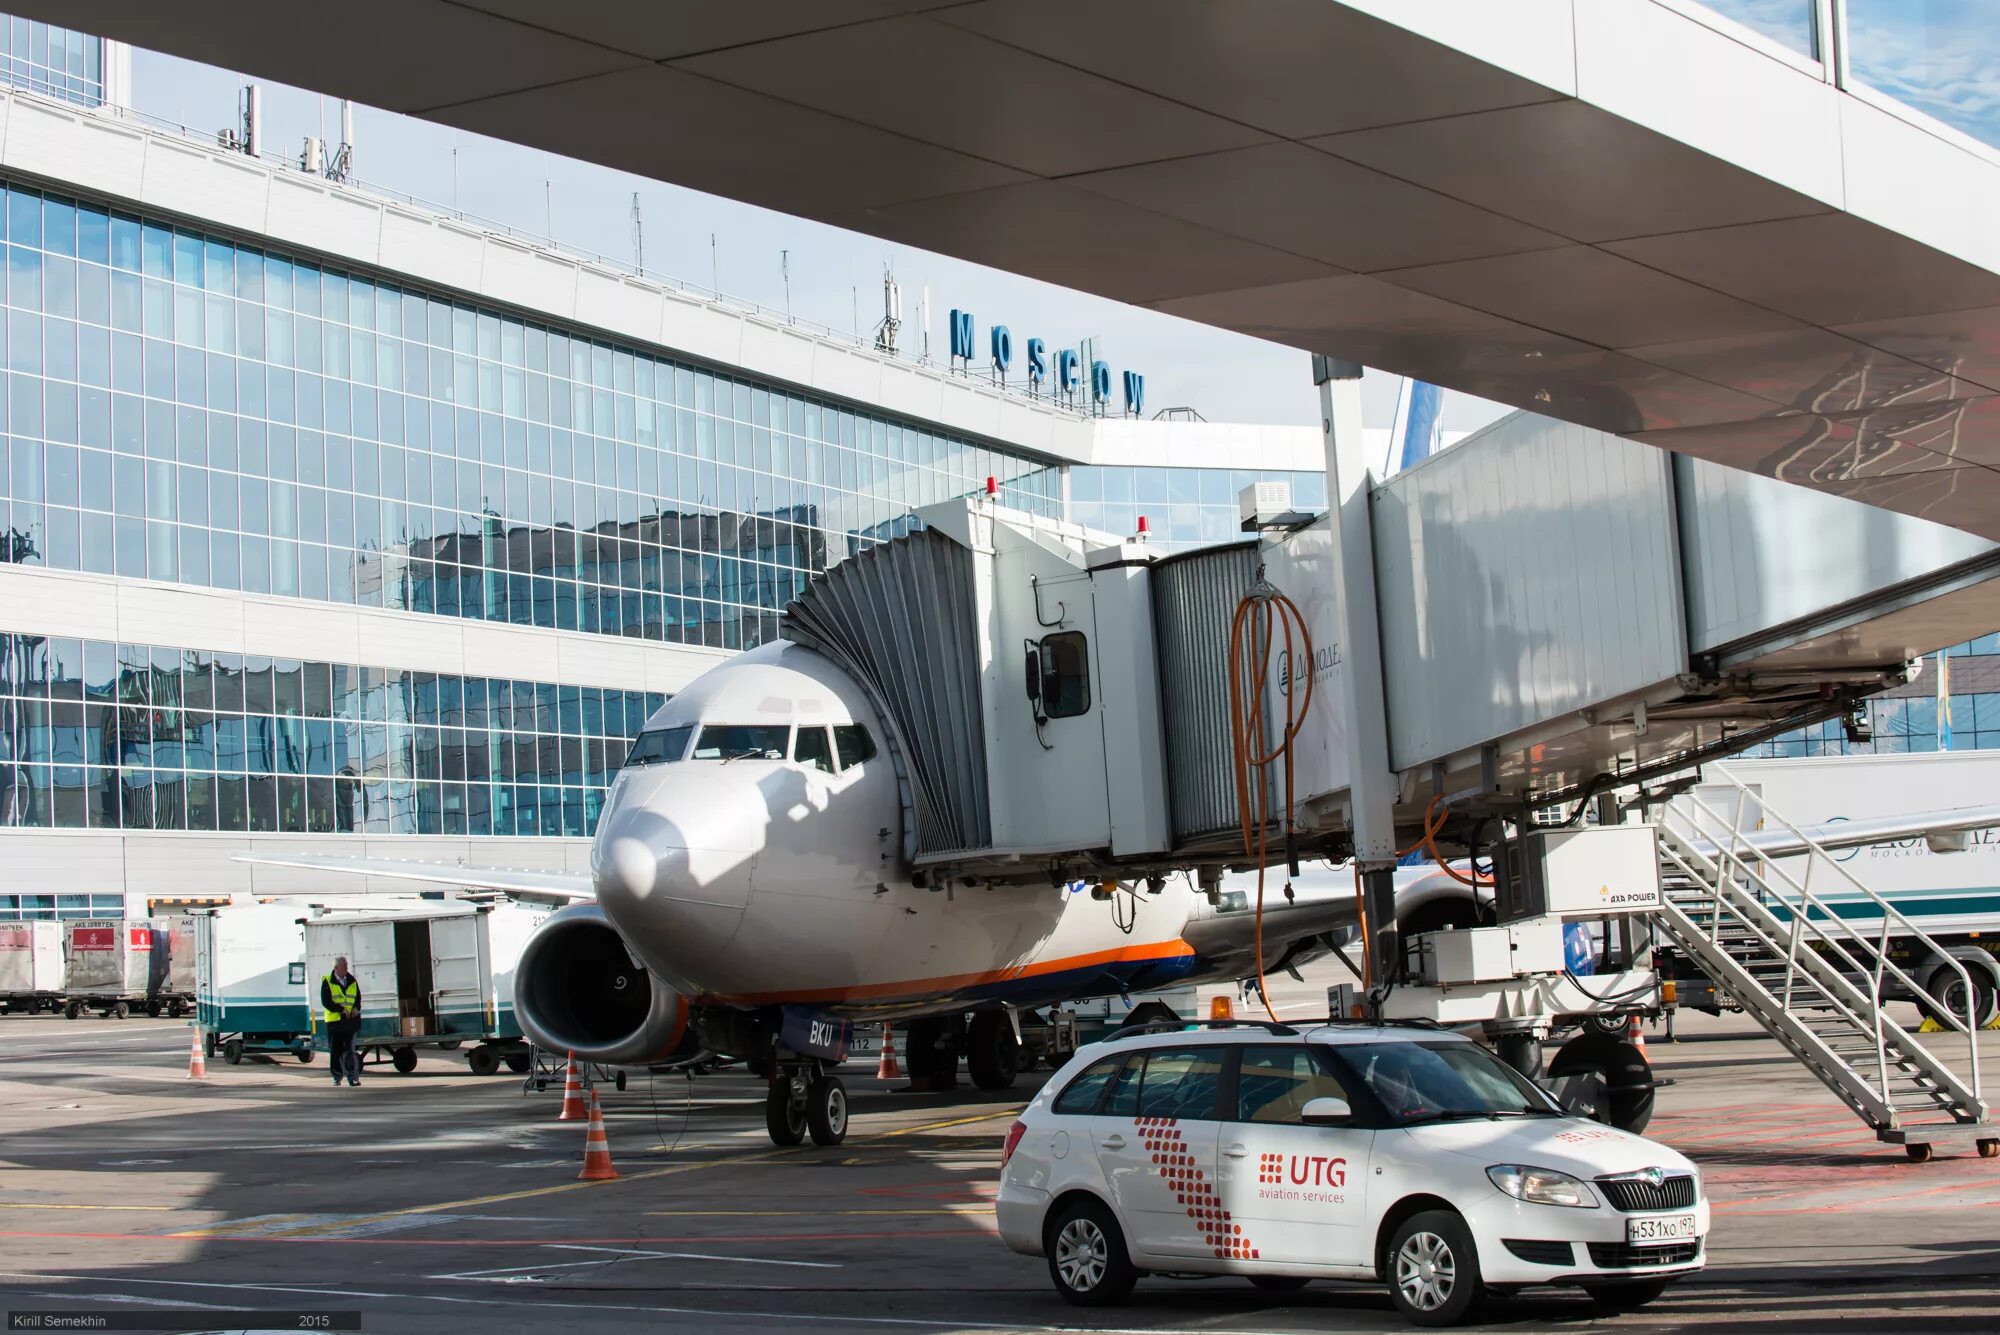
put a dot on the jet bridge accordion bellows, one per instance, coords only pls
(898, 618)
(1194, 597)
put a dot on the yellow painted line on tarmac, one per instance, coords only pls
(939, 1126)
(319, 1230)
(43, 1205)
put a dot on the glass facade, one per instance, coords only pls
(181, 407)
(14, 908)
(1793, 24)
(56, 61)
(1938, 56)
(1184, 507)
(96, 735)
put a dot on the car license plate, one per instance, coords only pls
(1655, 1230)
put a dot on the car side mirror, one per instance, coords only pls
(1325, 1112)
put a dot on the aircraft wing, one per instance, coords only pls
(561, 887)
(1942, 826)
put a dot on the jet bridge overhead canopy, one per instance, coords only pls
(1631, 214)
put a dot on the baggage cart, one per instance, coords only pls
(116, 965)
(31, 967)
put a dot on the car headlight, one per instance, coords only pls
(1542, 1186)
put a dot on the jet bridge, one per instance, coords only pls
(1561, 612)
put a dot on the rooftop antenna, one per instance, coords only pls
(714, 268)
(342, 167)
(454, 177)
(250, 105)
(638, 236)
(785, 272)
(892, 313)
(924, 319)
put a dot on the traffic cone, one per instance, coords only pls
(573, 1107)
(887, 1069)
(1635, 1034)
(596, 1148)
(197, 1058)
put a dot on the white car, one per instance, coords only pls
(1398, 1154)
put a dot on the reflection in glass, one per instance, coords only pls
(109, 736)
(1937, 56)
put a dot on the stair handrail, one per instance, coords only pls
(1776, 877)
(1721, 904)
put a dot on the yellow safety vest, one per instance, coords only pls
(348, 995)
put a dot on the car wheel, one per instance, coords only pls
(1279, 1283)
(1625, 1297)
(1087, 1256)
(405, 1060)
(1433, 1269)
(786, 1124)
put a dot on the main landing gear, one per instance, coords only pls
(803, 1099)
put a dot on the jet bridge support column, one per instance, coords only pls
(1372, 791)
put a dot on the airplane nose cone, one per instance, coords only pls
(673, 863)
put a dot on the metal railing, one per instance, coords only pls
(1736, 858)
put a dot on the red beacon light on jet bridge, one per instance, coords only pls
(992, 486)
(1145, 529)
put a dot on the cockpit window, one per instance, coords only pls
(810, 747)
(855, 745)
(659, 746)
(743, 741)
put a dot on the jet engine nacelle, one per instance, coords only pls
(577, 989)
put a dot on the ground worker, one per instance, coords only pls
(340, 999)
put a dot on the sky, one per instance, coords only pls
(835, 275)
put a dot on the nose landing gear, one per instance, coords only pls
(803, 1099)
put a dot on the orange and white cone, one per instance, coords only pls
(596, 1148)
(888, 1069)
(1635, 1034)
(574, 1109)
(197, 1058)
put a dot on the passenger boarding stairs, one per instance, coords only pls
(1767, 933)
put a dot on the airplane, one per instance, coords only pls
(746, 897)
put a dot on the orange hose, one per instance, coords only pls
(1429, 842)
(1273, 611)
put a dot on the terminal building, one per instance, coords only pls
(329, 518)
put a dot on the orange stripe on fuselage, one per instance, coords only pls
(924, 987)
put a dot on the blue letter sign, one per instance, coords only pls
(1135, 394)
(1100, 381)
(1038, 360)
(1003, 349)
(1068, 368)
(961, 334)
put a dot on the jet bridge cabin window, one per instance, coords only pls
(1059, 675)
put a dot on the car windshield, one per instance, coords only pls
(659, 746)
(743, 741)
(1442, 1081)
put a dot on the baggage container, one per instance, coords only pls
(250, 972)
(434, 975)
(116, 964)
(31, 966)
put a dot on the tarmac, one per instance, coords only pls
(442, 1202)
